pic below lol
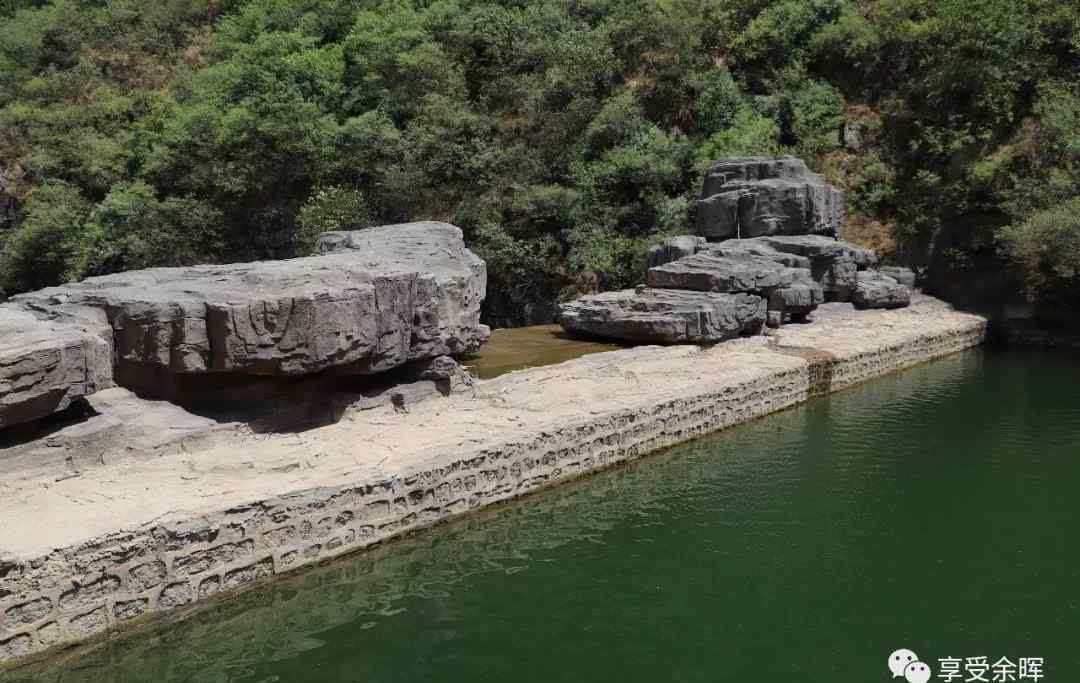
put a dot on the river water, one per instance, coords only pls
(935, 509)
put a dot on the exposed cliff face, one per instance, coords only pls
(373, 301)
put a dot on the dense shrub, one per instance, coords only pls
(562, 135)
(1046, 247)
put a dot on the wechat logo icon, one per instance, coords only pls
(905, 664)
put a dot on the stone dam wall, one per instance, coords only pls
(84, 556)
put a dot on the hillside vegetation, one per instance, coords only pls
(562, 135)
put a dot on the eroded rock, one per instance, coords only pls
(904, 276)
(797, 299)
(875, 290)
(375, 300)
(665, 316)
(48, 360)
(754, 196)
(833, 263)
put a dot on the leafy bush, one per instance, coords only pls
(561, 135)
(1046, 250)
(329, 209)
(131, 228)
(42, 248)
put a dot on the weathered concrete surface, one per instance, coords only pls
(664, 316)
(374, 301)
(47, 360)
(754, 196)
(82, 555)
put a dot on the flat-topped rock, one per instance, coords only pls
(756, 247)
(754, 196)
(707, 272)
(372, 302)
(48, 360)
(664, 316)
(819, 246)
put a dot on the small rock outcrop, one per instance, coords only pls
(674, 249)
(373, 301)
(47, 360)
(769, 231)
(665, 316)
(904, 276)
(875, 290)
(755, 196)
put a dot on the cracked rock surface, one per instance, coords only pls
(372, 301)
(875, 290)
(48, 360)
(754, 196)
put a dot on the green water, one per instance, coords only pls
(935, 509)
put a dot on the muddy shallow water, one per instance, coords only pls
(528, 347)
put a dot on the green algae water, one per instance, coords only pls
(935, 510)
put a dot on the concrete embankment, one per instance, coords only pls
(104, 548)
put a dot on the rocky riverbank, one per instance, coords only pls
(97, 544)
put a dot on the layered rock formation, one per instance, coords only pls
(47, 360)
(665, 316)
(755, 196)
(785, 262)
(372, 301)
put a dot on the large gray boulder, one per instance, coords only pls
(756, 247)
(48, 360)
(664, 316)
(875, 290)
(374, 300)
(755, 196)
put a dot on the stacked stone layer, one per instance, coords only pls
(372, 301)
(785, 259)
